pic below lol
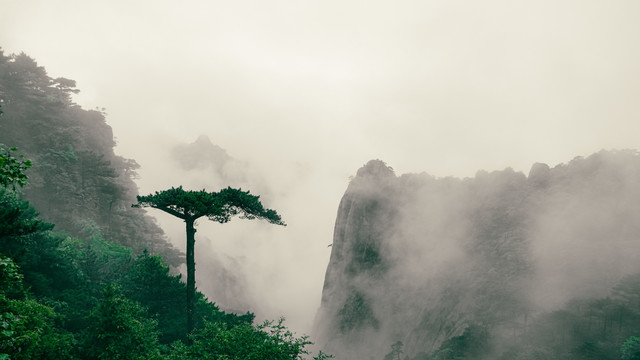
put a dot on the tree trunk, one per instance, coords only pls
(191, 275)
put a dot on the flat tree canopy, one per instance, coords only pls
(217, 206)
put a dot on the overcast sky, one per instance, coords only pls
(306, 92)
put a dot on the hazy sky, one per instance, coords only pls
(306, 92)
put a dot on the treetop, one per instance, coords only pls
(218, 206)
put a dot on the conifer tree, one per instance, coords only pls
(217, 206)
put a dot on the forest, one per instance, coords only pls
(86, 275)
(83, 274)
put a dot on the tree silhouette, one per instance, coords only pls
(396, 351)
(217, 206)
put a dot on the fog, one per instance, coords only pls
(420, 259)
(266, 268)
(584, 237)
(300, 94)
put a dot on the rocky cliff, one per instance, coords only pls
(425, 260)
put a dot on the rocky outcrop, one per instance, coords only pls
(365, 217)
(421, 259)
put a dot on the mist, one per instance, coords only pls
(427, 258)
(299, 95)
(252, 265)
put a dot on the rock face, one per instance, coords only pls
(422, 260)
(364, 218)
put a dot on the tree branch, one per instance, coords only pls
(171, 212)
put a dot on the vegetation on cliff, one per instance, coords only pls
(77, 181)
(99, 286)
(499, 266)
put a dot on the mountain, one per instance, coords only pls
(77, 181)
(477, 267)
(80, 281)
(201, 153)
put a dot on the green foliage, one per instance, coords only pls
(119, 329)
(217, 206)
(71, 276)
(590, 350)
(12, 168)
(76, 177)
(149, 283)
(17, 220)
(58, 298)
(28, 331)
(52, 262)
(27, 327)
(631, 348)
(192, 205)
(269, 340)
(10, 277)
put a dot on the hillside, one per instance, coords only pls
(89, 278)
(502, 265)
(77, 181)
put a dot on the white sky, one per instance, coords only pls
(309, 91)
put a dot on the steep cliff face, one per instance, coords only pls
(424, 260)
(365, 217)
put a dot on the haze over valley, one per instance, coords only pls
(454, 176)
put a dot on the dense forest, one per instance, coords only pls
(83, 274)
(77, 181)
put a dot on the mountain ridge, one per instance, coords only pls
(423, 259)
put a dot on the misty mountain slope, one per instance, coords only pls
(201, 153)
(77, 181)
(430, 261)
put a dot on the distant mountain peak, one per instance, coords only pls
(375, 168)
(204, 140)
(201, 153)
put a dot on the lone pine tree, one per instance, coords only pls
(217, 206)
